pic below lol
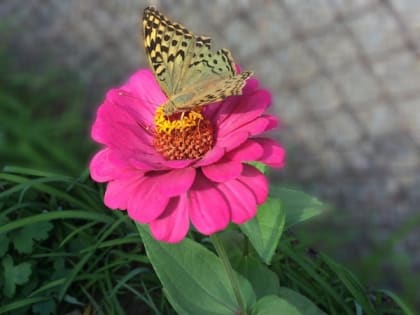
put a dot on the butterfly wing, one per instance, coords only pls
(168, 45)
(206, 65)
(207, 92)
(179, 58)
(156, 37)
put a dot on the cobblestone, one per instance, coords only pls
(323, 96)
(400, 73)
(366, 29)
(358, 86)
(334, 48)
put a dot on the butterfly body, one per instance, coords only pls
(187, 70)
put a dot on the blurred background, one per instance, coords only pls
(345, 78)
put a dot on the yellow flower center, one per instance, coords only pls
(187, 135)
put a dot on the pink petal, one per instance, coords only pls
(256, 182)
(138, 153)
(211, 110)
(246, 152)
(122, 108)
(221, 111)
(117, 129)
(101, 170)
(273, 122)
(233, 140)
(257, 126)
(274, 154)
(249, 129)
(118, 192)
(172, 226)
(222, 171)
(168, 164)
(176, 182)
(144, 87)
(241, 199)
(139, 110)
(226, 109)
(103, 117)
(144, 161)
(208, 209)
(250, 86)
(146, 202)
(210, 157)
(237, 114)
(214, 110)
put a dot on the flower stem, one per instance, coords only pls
(221, 252)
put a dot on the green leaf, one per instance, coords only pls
(263, 280)
(234, 244)
(24, 238)
(357, 290)
(263, 168)
(4, 239)
(307, 272)
(44, 308)
(193, 278)
(60, 270)
(72, 300)
(19, 305)
(274, 305)
(297, 205)
(14, 275)
(4, 244)
(265, 229)
(302, 303)
(404, 307)
(56, 215)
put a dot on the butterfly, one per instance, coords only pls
(188, 71)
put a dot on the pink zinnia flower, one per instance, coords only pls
(168, 172)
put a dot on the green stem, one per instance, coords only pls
(221, 252)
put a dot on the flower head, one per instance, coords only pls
(190, 167)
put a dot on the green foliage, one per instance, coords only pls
(91, 258)
(14, 275)
(23, 239)
(303, 304)
(286, 302)
(298, 206)
(42, 123)
(273, 305)
(193, 277)
(265, 229)
(263, 280)
(65, 250)
(44, 308)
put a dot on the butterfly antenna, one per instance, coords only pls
(148, 128)
(198, 127)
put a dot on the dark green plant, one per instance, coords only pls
(42, 119)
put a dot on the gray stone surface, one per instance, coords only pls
(345, 76)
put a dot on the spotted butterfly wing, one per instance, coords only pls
(188, 71)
